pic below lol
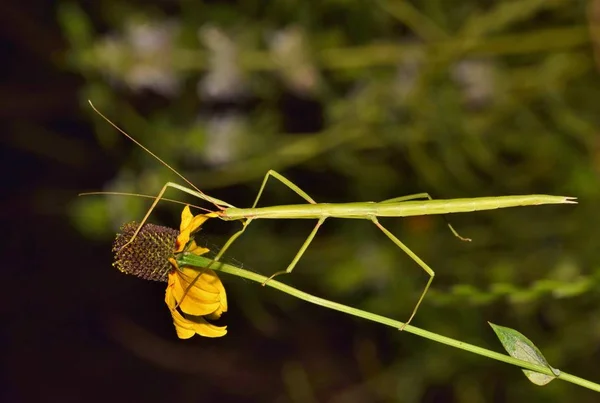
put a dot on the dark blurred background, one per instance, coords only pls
(353, 101)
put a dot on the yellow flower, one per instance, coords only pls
(197, 293)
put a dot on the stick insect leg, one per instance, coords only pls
(216, 258)
(289, 184)
(154, 203)
(306, 197)
(413, 256)
(303, 248)
(173, 185)
(426, 196)
(232, 239)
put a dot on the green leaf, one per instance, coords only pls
(520, 347)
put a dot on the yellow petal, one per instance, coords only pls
(203, 328)
(215, 315)
(187, 328)
(222, 294)
(209, 330)
(183, 329)
(186, 218)
(169, 298)
(174, 263)
(197, 221)
(187, 230)
(194, 307)
(211, 282)
(184, 233)
(202, 298)
(197, 250)
(202, 278)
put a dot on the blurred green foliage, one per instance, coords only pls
(359, 101)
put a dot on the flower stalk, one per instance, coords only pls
(190, 260)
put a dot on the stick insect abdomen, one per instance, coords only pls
(428, 207)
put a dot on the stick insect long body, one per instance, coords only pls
(366, 210)
(404, 206)
(396, 207)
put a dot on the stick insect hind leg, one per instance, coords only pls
(414, 257)
(410, 253)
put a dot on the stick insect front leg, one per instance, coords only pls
(216, 202)
(426, 196)
(413, 256)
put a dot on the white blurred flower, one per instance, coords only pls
(476, 78)
(224, 79)
(290, 51)
(224, 133)
(142, 57)
(408, 72)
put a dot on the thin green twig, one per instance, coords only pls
(200, 261)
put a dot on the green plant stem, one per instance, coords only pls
(200, 261)
(389, 54)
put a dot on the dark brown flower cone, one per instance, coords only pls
(148, 255)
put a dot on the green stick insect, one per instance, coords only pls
(403, 206)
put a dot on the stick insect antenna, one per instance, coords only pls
(145, 197)
(149, 152)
